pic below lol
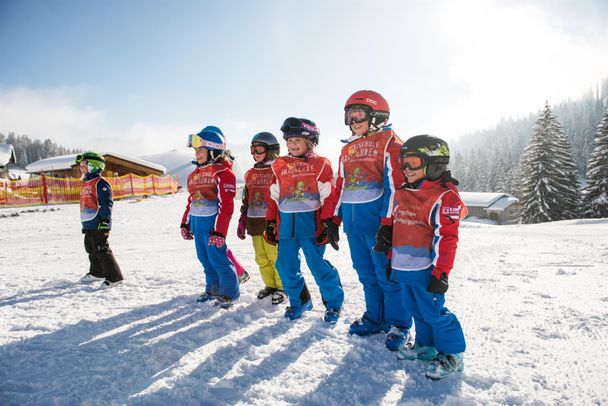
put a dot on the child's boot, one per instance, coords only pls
(397, 338)
(364, 327)
(332, 314)
(445, 365)
(417, 352)
(293, 313)
(278, 297)
(267, 291)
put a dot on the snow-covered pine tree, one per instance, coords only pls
(549, 184)
(595, 194)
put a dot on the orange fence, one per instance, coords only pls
(49, 190)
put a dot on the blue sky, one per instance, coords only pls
(138, 76)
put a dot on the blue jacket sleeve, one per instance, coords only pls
(104, 196)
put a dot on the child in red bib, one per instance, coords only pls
(299, 208)
(426, 216)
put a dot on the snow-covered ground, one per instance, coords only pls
(533, 302)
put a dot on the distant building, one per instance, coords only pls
(116, 165)
(501, 208)
(7, 157)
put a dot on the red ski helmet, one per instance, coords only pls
(375, 106)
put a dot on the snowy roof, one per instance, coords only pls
(479, 199)
(488, 201)
(7, 154)
(503, 203)
(67, 161)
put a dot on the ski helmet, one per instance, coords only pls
(95, 161)
(433, 152)
(266, 140)
(211, 138)
(301, 127)
(367, 105)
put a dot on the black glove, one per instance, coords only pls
(329, 233)
(270, 235)
(384, 239)
(438, 285)
(103, 225)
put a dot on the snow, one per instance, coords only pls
(7, 154)
(532, 300)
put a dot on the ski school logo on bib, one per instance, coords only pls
(451, 212)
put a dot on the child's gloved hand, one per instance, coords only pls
(270, 235)
(217, 240)
(329, 233)
(104, 225)
(438, 285)
(242, 227)
(384, 239)
(186, 234)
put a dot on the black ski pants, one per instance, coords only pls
(103, 263)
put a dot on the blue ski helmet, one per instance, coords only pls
(211, 138)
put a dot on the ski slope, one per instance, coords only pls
(533, 302)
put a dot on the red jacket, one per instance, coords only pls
(212, 190)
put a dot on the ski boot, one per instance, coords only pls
(445, 365)
(417, 352)
(225, 302)
(267, 291)
(205, 297)
(88, 278)
(397, 338)
(332, 314)
(278, 297)
(293, 313)
(365, 327)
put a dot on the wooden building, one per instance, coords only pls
(116, 165)
(7, 157)
(499, 208)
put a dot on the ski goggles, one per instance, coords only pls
(195, 141)
(356, 114)
(413, 162)
(258, 149)
(88, 157)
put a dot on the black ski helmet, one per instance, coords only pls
(268, 140)
(434, 152)
(301, 127)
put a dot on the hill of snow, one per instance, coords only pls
(179, 163)
(533, 302)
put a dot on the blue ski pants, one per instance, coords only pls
(324, 273)
(435, 324)
(384, 299)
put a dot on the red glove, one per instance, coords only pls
(217, 240)
(186, 234)
(242, 227)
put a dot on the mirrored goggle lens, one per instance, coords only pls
(195, 141)
(412, 162)
(258, 149)
(355, 115)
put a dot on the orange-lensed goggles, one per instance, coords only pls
(413, 162)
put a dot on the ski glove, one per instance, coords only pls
(270, 235)
(186, 234)
(104, 225)
(329, 234)
(217, 240)
(242, 227)
(438, 285)
(384, 239)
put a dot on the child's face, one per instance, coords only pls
(360, 128)
(84, 167)
(201, 155)
(258, 153)
(297, 146)
(413, 167)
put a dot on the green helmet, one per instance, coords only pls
(95, 161)
(434, 152)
